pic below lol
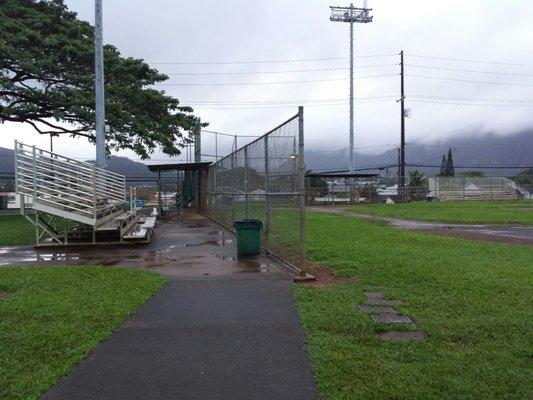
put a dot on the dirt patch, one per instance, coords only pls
(325, 277)
(4, 294)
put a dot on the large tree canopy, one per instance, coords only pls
(47, 81)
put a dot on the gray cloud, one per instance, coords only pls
(238, 30)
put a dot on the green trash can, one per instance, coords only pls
(248, 237)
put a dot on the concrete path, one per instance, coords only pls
(220, 329)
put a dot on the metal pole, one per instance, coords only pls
(246, 166)
(267, 188)
(303, 270)
(351, 93)
(216, 146)
(402, 138)
(352, 138)
(99, 85)
(159, 194)
(198, 142)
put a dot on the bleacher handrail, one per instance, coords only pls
(65, 183)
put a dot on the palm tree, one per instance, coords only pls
(418, 184)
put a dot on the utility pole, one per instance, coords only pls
(402, 132)
(99, 85)
(351, 15)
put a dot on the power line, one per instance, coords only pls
(466, 70)
(274, 72)
(268, 61)
(484, 99)
(470, 81)
(470, 60)
(471, 104)
(257, 107)
(270, 83)
(287, 101)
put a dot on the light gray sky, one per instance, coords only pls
(170, 31)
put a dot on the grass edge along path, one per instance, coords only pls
(52, 317)
(473, 299)
(459, 212)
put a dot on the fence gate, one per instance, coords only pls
(264, 180)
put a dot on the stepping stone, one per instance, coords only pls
(384, 302)
(392, 319)
(395, 335)
(374, 295)
(375, 309)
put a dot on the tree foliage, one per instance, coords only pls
(418, 184)
(450, 169)
(47, 81)
(446, 167)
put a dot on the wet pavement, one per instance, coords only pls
(221, 328)
(189, 248)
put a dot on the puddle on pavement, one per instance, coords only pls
(219, 242)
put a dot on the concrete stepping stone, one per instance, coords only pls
(396, 335)
(391, 319)
(375, 309)
(374, 295)
(384, 302)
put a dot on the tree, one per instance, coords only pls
(47, 81)
(443, 166)
(418, 184)
(450, 169)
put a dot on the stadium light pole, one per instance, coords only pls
(351, 15)
(99, 85)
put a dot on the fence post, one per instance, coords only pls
(198, 159)
(233, 183)
(303, 270)
(34, 154)
(246, 166)
(267, 188)
(16, 167)
(95, 199)
(464, 188)
(491, 188)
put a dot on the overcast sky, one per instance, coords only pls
(209, 31)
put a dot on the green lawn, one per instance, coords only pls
(474, 300)
(16, 230)
(54, 316)
(479, 212)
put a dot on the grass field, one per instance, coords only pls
(478, 212)
(474, 300)
(15, 230)
(52, 317)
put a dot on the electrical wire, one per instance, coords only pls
(276, 72)
(466, 70)
(272, 83)
(470, 81)
(469, 60)
(268, 61)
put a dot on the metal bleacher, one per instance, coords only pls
(74, 202)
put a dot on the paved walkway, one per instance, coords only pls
(220, 329)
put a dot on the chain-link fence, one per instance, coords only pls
(264, 180)
(337, 190)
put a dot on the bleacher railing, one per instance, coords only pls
(64, 183)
